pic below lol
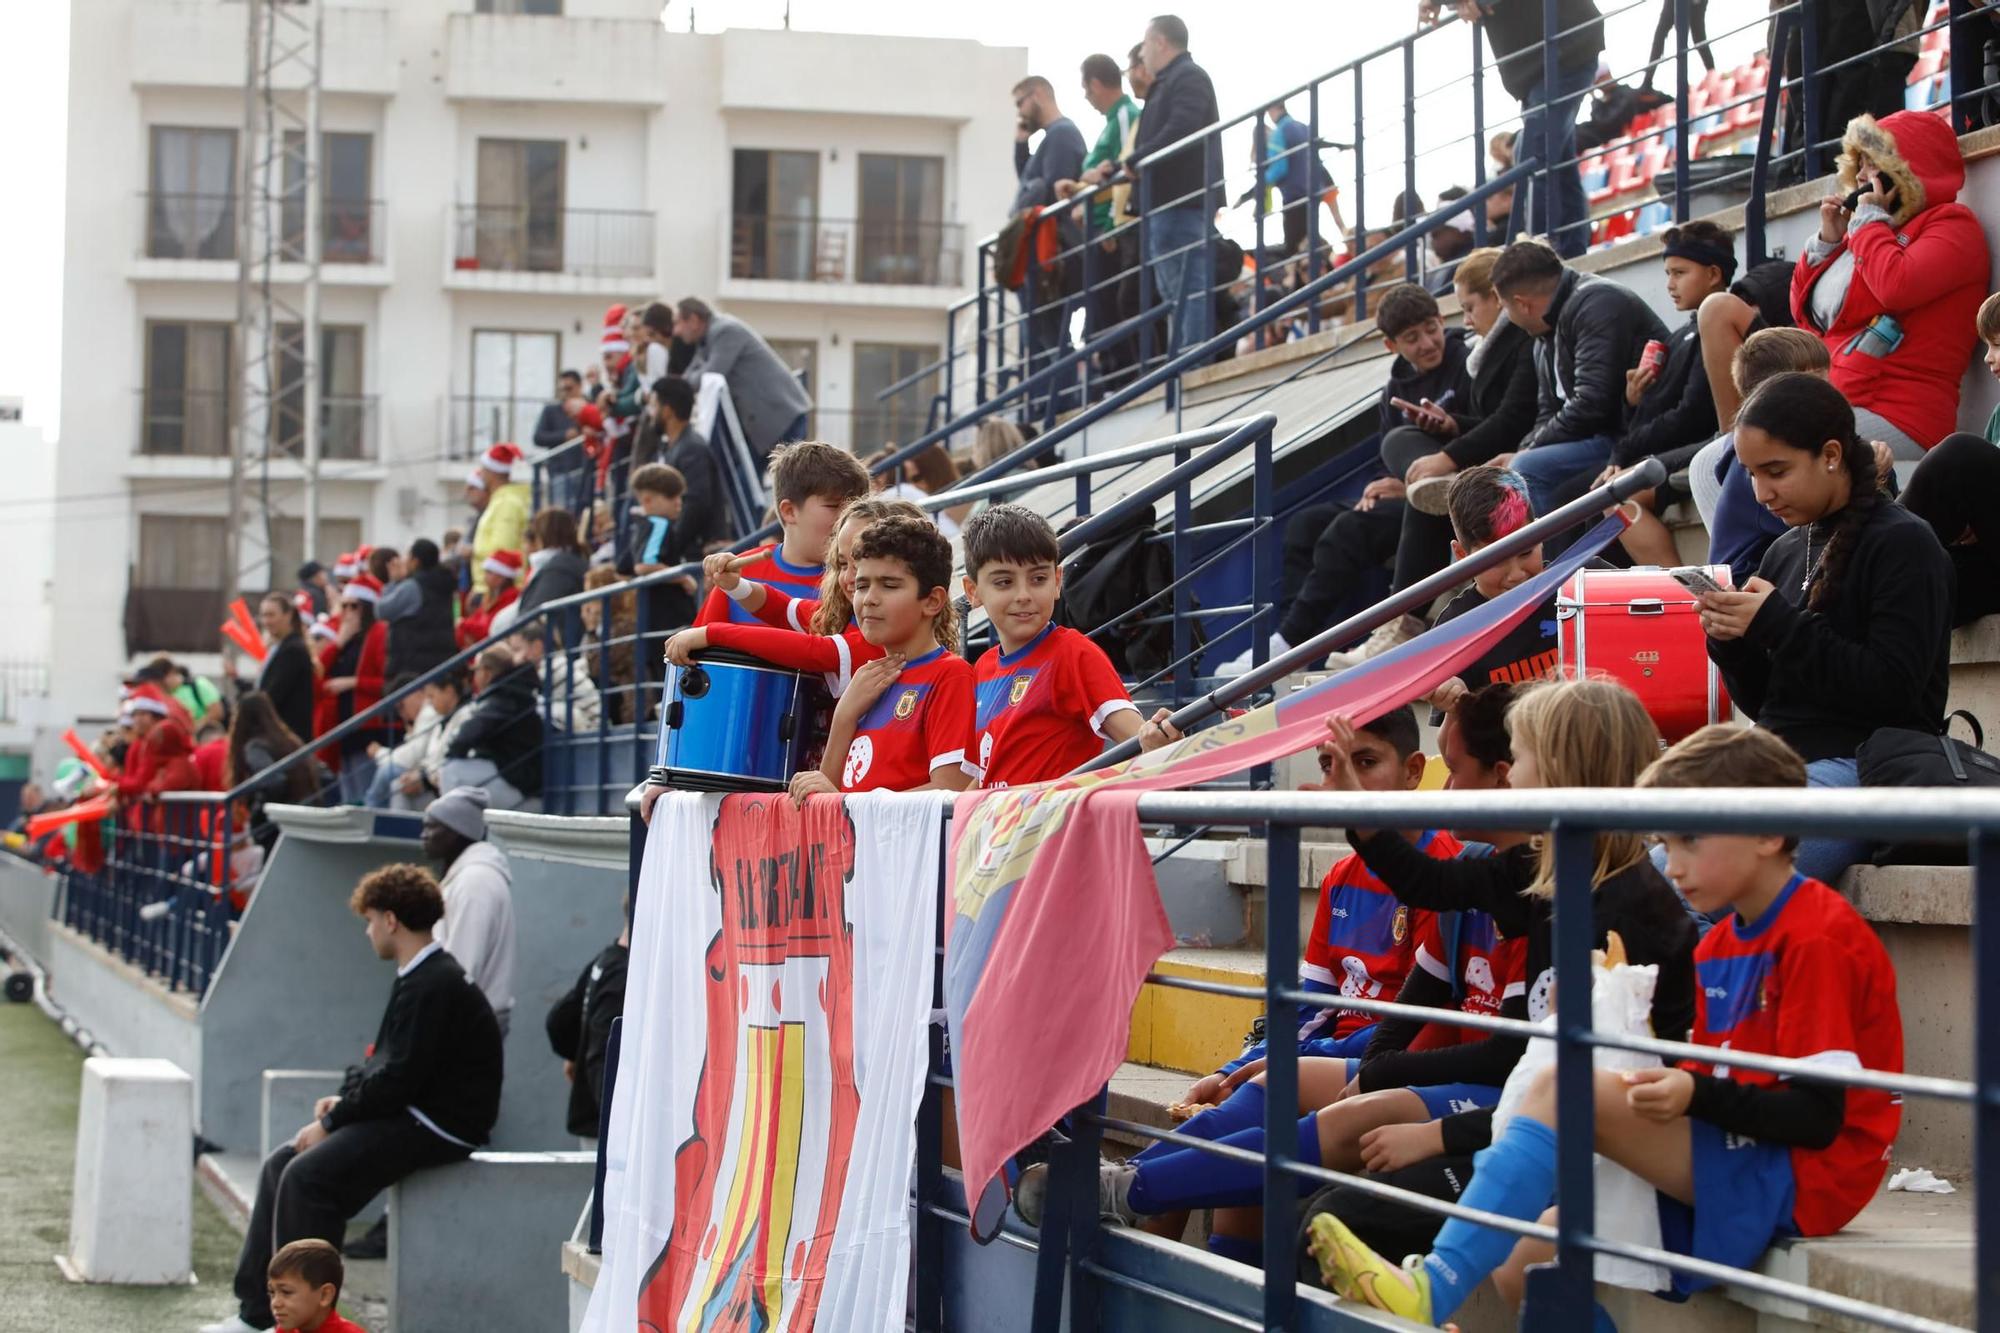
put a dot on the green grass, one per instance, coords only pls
(41, 1074)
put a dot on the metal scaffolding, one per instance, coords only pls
(277, 284)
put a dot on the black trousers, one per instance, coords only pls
(1952, 489)
(311, 1195)
(1389, 1228)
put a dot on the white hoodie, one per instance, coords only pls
(478, 924)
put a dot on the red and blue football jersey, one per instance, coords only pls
(1489, 970)
(1363, 940)
(1808, 980)
(1042, 708)
(770, 568)
(922, 721)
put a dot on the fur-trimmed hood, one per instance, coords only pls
(1914, 149)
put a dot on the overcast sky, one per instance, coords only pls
(1245, 48)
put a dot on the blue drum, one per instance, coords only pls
(735, 723)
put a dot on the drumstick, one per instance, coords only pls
(738, 564)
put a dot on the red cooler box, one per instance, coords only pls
(1639, 627)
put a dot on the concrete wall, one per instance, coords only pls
(26, 898)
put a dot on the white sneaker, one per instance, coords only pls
(1428, 496)
(1381, 641)
(1240, 664)
(233, 1324)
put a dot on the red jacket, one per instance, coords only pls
(479, 624)
(327, 710)
(1926, 268)
(210, 761)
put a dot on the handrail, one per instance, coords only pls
(1620, 488)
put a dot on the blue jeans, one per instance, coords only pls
(1547, 466)
(1180, 250)
(1566, 184)
(1825, 858)
(381, 788)
(357, 771)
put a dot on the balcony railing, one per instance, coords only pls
(580, 242)
(478, 421)
(883, 251)
(350, 231)
(189, 226)
(196, 423)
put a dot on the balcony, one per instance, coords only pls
(188, 226)
(475, 422)
(198, 423)
(185, 236)
(200, 44)
(823, 253)
(577, 251)
(540, 58)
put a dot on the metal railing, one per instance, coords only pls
(864, 251)
(475, 422)
(351, 231)
(178, 224)
(187, 422)
(579, 242)
(347, 423)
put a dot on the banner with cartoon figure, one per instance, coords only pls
(763, 1125)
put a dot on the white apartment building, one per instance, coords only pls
(495, 173)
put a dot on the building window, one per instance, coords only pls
(182, 551)
(802, 356)
(901, 418)
(517, 7)
(343, 408)
(346, 217)
(191, 194)
(513, 376)
(186, 396)
(517, 224)
(774, 215)
(902, 221)
(288, 542)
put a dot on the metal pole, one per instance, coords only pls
(253, 19)
(1986, 1072)
(1312, 205)
(1575, 933)
(1281, 1074)
(1546, 191)
(1479, 131)
(1809, 89)
(309, 352)
(1411, 263)
(1358, 224)
(1684, 142)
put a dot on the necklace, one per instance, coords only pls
(1812, 565)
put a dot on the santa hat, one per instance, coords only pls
(507, 564)
(501, 458)
(364, 588)
(148, 699)
(476, 480)
(322, 628)
(590, 418)
(304, 602)
(614, 331)
(345, 567)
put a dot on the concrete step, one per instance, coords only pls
(1193, 1031)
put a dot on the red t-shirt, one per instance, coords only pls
(923, 721)
(1489, 970)
(1363, 940)
(771, 569)
(333, 1323)
(1809, 980)
(1042, 708)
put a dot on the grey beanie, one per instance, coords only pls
(462, 810)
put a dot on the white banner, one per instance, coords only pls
(763, 1128)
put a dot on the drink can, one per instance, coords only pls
(1654, 359)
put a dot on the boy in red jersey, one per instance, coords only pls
(811, 482)
(304, 1280)
(1048, 697)
(1740, 1157)
(904, 722)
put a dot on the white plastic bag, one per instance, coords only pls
(1621, 1003)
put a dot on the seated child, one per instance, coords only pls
(1487, 503)
(1048, 697)
(304, 1281)
(812, 483)
(905, 721)
(1740, 1157)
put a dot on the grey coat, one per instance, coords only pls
(767, 395)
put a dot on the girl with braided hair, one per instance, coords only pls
(1847, 626)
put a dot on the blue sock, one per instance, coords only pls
(1192, 1178)
(1240, 1248)
(1516, 1177)
(1241, 1109)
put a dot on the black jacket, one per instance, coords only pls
(423, 638)
(1677, 413)
(437, 1050)
(1514, 30)
(704, 518)
(579, 1028)
(552, 428)
(561, 577)
(1598, 330)
(1502, 407)
(1877, 655)
(506, 727)
(287, 677)
(1411, 385)
(1182, 101)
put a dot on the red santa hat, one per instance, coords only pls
(614, 331)
(322, 628)
(501, 458)
(148, 698)
(344, 568)
(364, 588)
(304, 602)
(507, 564)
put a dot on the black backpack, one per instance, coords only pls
(1112, 575)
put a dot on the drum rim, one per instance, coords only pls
(739, 783)
(732, 657)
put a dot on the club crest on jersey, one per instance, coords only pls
(1400, 927)
(1019, 688)
(906, 705)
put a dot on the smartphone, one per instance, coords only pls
(1695, 580)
